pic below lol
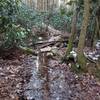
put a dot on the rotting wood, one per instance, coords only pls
(50, 42)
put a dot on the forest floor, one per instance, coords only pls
(19, 78)
(24, 77)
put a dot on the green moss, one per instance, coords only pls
(76, 68)
(97, 73)
(70, 45)
(82, 62)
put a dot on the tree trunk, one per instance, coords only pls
(86, 15)
(73, 32)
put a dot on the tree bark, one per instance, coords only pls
(81, 44)
(73, 32)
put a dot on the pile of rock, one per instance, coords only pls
(95, 55)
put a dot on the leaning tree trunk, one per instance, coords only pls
(73, 31)
(86, 15)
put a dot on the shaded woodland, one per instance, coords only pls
(49, 50)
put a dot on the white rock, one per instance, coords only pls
(97, 56)
(46, 49)
(40, 38)
(54, 50)
(74, 54)
(49, 54)
(94, 58)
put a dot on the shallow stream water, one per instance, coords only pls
(41, 88)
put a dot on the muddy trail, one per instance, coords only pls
(29, 79)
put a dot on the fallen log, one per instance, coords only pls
(44, 42)
(28, 50)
